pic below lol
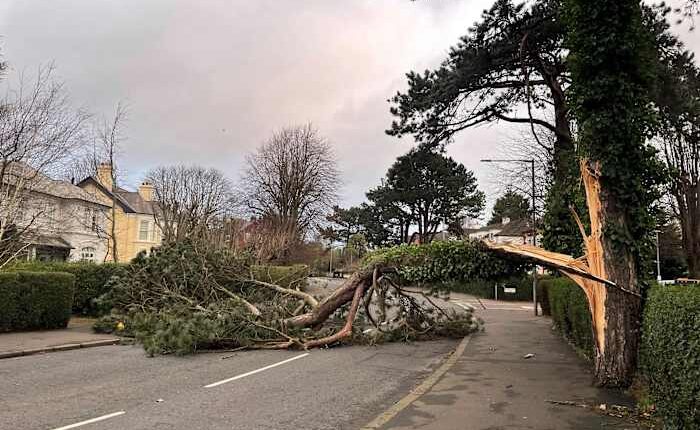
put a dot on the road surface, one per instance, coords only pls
(118, 387)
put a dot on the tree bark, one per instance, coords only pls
(333, 302)
(689, 216)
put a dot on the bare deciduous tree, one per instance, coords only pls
(39, 131)
(292, 178)
(681, 153)
(192, 201)
(518, 176)
(106, 140)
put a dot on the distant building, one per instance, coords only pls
(136, 229)
(58, 221)
(518, 231)
(416, 239)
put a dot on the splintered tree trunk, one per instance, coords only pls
(615, 311)
(608, 276)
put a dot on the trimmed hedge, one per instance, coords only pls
(90, 280)
(35, 300)
(284, 276)
(543, 293)
(485, 290)
(670, 353)
(568, 306)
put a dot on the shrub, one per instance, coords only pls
(35, 300)
(570, 312)
(284, 276)
(543, 294)
(91, 281)
(670, 353)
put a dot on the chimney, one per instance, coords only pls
(147, 191)
(104, 175)
(505, 220)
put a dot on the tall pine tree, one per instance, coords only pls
(611, 64)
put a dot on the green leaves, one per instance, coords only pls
(569, 309)
(612, 63)
(670, 353)
(432, 188)
(510, 205)
(443, 261)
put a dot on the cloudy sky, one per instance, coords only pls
(207, 81)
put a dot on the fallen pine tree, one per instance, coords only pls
(186, 297)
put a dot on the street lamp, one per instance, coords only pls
(658, 258)
(534, 219)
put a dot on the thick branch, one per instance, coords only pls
(308, 298)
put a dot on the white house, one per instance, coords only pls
(58, 220)
(517, 231)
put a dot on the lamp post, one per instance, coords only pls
(658, 258)
(534, 219)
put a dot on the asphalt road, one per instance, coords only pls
(339, 388)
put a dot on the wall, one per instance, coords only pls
(66, 218)
(126, 229)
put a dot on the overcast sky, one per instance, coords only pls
(207, 81)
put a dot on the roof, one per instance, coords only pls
(39, 182)
(136, 202)
(51, 241)
(518, 227)
(489, 227)
(129, 201)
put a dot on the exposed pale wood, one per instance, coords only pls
(595, 291)
(588, 271)
(554, 260)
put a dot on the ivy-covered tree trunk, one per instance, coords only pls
(615, 311)
(610, 59)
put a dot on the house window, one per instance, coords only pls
(87, 253)
(95, 226)
(144, 230)
(91, 219)
(50, 211)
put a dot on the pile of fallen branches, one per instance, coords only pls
(185, 297)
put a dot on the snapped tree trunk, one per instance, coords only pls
(615, 311)
(608, 277)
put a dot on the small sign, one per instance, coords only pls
(509, 290)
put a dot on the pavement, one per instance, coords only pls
(79, 334)
(493, 387)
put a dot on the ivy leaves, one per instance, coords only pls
(444, 261)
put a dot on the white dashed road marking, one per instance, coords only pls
(90, 421)
(253, 372)
(465, 306)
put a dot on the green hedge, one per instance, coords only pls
(90, 280)
(284, 276)
(485, 289)
(35, 300)
(670, 353)
(569, 309)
